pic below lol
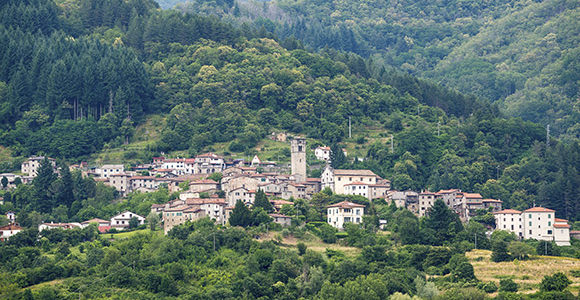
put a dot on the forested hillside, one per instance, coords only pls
(520, 53)
(528, 60)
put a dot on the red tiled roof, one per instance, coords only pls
(103, 229)
(345, 204)
(354, 172)
(95, 220)
(561, 226)
(508, 211)
(313, 179)
(447, 191)
(281, 202)
(198, 201)
(11, 227)
(209, 154)
(560, 220)
(472, 195)
(203, 181)
(492, 200)
(142, 178)
(539, 209)
(278, 216)
(356, 183)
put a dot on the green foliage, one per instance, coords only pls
(301, 248)
(557, 282)
(463, 293)
(508, 285)
(241, 215)
(547, 248)
(444, 223)
(490, 287)
(500, 252)
(261, 201)
(520, 250)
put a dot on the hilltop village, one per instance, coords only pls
(210, 185)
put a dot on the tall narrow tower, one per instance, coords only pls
(298, 148)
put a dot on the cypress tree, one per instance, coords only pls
(262, 201)
(241, 215)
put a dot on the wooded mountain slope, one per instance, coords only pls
(520, 53)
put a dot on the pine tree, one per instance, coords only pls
(241, 215)
(42, 186)
(337, 158)
(443, 221)
(262, 201)
(65, 193)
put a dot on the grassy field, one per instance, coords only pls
(124, 235)
(527, 274)
(312, 242)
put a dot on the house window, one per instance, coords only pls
(530, 223)
(549, 216)
(549, 223)
(530, 216)
(549, 231)
(530, 231)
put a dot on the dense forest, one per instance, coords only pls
(522, 54)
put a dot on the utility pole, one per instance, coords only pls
(392, 144)
(214, 241)
(475, 240)
(438, 129)
(349, 128)
(548, 135)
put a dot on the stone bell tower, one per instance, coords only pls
(298, 149)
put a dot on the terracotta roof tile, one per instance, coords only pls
(354, 172)
(345, 204)
(508, 211)
(539, 209)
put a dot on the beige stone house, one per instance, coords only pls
(336, 179)
(283, 220)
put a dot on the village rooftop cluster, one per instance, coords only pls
(203, 197)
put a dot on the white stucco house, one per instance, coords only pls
(344, 212)
(121, 221)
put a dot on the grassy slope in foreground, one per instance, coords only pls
(526, 273)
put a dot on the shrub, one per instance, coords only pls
(509, 296)
(556, 282)
(462, 293)
(508, 285)
(575, 273)
(301, 248)
(490, 287)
